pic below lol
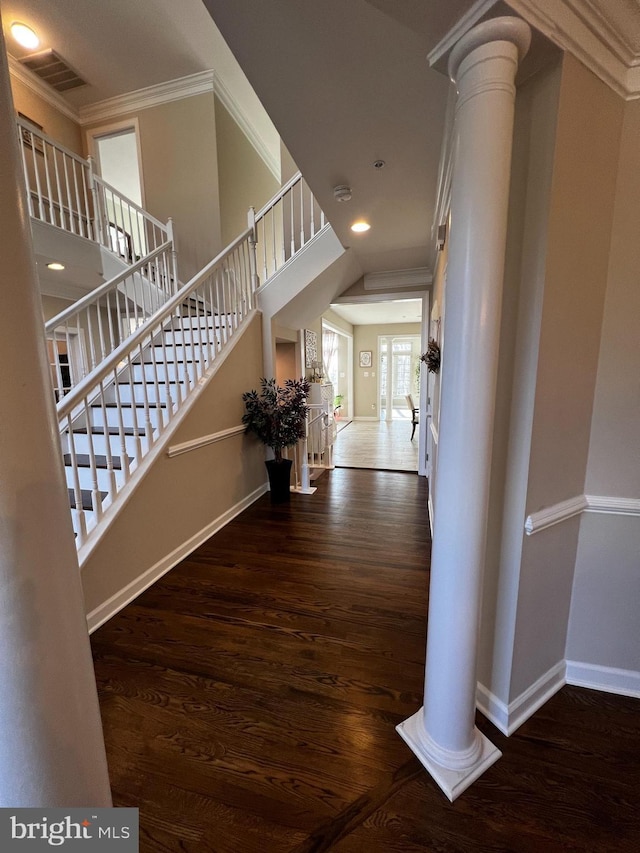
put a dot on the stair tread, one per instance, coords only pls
(110, 431)
(85, 495)
(83, 460)
(129, 405)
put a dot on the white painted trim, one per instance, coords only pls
(204, 440)
(607, 505)
(462, 25)
(434, 432)
(151, 96)
(578, 29)
(549, 516)
(624, 682)
(379, 297)
(115, 127)
(392, 279)
(612, 505)
(125, 596)
(430, 510)
(41, 89)
(511, 717)
(245, 125)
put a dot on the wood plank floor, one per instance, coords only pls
(249, 700)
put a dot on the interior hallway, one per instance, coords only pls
(249, 700)
(382, 445)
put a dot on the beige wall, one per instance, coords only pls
(580, 219)
(365, 387)
(245, 180)
(53, 305)
(180, 174)
(55, 124)
(606, 588)
(182, 495)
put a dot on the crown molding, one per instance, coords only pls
(584, 31)
(40, 88)
(245, 125)
(394, 279)
(437, 56)
(151, 96)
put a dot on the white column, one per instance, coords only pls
(442, 734)
(51, 747)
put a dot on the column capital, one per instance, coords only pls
(509, 29)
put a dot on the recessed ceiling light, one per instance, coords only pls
(360, 227)
(24, 35)
(55, 265)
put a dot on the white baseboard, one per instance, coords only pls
(511, 717)
(113, 605)
(625, 682)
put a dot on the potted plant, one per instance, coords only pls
(277, 416)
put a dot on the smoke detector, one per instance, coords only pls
(342, 193)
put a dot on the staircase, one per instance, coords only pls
(142, 346)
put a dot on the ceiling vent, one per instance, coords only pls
(51, 67)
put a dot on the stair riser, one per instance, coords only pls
(82, 444)
(172, 372)
(187, 338)
(184, 323)
(177, 354)
(130, 417)
(135, 393)
(86, 482)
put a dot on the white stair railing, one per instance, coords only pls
(123, 226)
(58, 182)
(112, 419)
(84, 334)
(64, 190)
(285, 224)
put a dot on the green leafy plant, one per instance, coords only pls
(432, 356)
(277, 415)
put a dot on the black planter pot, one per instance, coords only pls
(279, 479)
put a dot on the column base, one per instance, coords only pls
(300, 490)
(452, 781)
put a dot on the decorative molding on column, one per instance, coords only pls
(457, 31)
(555, 514)
(451, 780)
(442, 734)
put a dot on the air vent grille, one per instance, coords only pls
(52, 68)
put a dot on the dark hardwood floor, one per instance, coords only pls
(249, 700)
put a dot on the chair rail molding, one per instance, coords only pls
(204, 440)
(547, 517)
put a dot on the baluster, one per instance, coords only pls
(124, 453)
(96, 497)
(312, 213)
(63, 223)
(36, 172)
(47, 176)
(72, 224)
(92, 349)
(27, 179)
(77, 195)
(78, 509)
(86, 211)
(113, 484)
(302, 232)
(291, 197)
(148, 426)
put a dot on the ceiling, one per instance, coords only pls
(345, 84)
(376, 313)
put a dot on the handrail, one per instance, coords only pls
(293, 180)
(285, 224)
(141, 335)
(31, 128)
(131, 204)
(113, 417)
(100, 291)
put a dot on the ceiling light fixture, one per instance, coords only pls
(55, 265)
(24, 35)
(379, 164)
(360, 227)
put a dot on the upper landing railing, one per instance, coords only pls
(64, 190)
